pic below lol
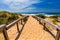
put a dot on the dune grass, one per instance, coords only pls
(8, 17)
(41, 16)
(55, 18)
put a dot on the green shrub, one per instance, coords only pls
(7, 17)
(42, 16)
(25, 19)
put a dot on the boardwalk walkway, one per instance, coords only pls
(34, 31)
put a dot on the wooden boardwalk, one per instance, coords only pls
(34, 28)
(34, 31)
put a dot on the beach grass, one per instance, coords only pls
(54, 17)
(8, 17)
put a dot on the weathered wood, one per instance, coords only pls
(44, 27)
(21, 22)
(5, 33)
(1, 27)
(51, 24)
(58, 35)
(13, 23)
(4, 28)
(17, 27)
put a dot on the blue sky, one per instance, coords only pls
(30, 5)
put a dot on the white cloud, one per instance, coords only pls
(20, 4)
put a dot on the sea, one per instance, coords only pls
(39, 13)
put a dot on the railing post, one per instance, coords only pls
(39, 21)
(5, 33)
(57, 35)
(44, 27)
(17, 27)
(21, 21)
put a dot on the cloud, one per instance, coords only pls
(18, 5)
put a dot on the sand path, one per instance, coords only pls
(34, 31)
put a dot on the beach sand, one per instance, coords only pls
(12, 32)
(34, 31)
(31, 31)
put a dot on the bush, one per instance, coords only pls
(42, 16)
(25, 19)
(7, 17)
(3, 15)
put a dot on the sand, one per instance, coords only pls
(32, 31)
(12, 32)
(50, 20)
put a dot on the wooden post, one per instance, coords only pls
(21, 21)
(5, 33)
(58, 35)
(17, 27)
(39, 21)
(44, 27)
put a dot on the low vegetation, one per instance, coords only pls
(41, 16)
(25, 19)
(7, 17)
(55, 18)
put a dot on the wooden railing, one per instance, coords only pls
(4, 28)
(44, 22)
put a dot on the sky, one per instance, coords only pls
(30, 5)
